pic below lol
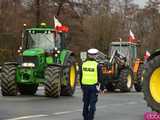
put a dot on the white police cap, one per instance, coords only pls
(92, 51)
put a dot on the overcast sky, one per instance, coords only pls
(141, 2)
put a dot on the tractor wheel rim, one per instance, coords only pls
(142, 76)
(154, 85)
(72, 76)
(129, 81)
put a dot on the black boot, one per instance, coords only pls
(91, 115)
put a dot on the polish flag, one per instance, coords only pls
(131, 37)
(146, 55)
(59, 27)
(56, 22)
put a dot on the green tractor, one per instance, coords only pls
(124, 69)
(43, 59)
(151, 82)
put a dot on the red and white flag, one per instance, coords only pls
(146, 55)
(131, 37)
(56, 22)
(59, 27)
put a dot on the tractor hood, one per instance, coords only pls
(33, 52)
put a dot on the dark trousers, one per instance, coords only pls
(90, 97)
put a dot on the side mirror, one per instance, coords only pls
(83, 56)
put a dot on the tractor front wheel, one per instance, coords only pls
(151, 84)
(52, 84)
(8, 80)
(125, 80)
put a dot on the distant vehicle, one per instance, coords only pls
(124, 69)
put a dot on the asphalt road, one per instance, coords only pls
(111, 106)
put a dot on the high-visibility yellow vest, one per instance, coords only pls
(89, 73)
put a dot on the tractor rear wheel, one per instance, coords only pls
(25, 89)
(53, 81)
(125, 80)
(151, 84)
(8, 80)
(138, 84)
(70, 76)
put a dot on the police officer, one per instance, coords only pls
(89, 78)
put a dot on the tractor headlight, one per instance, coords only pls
(56, 55)
(28, 65)
(58, 51)
(55, 48)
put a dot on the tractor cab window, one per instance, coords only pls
(124, 49)
(42, 39)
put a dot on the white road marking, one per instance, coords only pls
(67, 112)
(98, 107)
(28, 117)
(70, 112)
(132, 103)
(62, 113)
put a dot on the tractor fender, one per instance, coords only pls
(65, 55)
(156, 53)
(10, 63)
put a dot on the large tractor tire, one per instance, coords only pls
(27, 89)
(125, 80)
(53, 81)
(151, 83)
(70, 76)
(138, 84)
(110, 87)
(8, 80)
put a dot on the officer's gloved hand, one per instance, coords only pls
(98, 87)
(102, 89)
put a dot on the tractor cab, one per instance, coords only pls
(43, 40)
(46, 38)
(127, 49)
